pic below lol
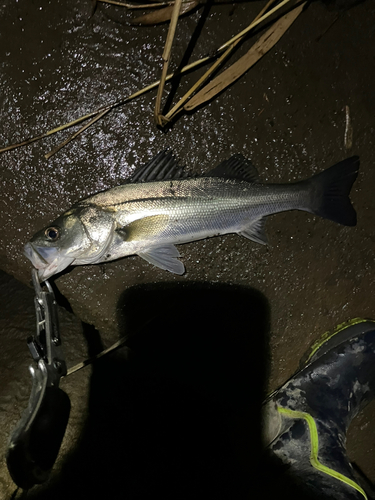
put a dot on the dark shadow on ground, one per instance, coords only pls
(180, 416)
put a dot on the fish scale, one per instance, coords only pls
(209, 204)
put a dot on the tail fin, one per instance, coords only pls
(330, 192)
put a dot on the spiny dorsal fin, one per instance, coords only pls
(162, 167)
(236, 167)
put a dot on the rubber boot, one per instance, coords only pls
(306, 420)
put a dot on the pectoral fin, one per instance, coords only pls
(165, 257)
(143, 229)
(256, 231)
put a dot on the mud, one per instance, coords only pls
(60, 60)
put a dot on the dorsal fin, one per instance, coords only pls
(236, 167)
(162, 167)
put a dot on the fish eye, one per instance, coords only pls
(52, 233)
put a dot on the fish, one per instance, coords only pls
(160, 206)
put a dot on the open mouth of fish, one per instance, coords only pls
(47, 260)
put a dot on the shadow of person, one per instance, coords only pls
(179, 415)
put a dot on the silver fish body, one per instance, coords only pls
(149, 218)
(181, 211)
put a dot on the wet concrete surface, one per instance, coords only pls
(60, 60)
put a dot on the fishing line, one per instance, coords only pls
(113, 347)
(89, 361)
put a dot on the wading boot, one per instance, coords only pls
(306, 420)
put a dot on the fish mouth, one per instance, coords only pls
(47, 260)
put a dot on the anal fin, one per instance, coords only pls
(165, 257)
(256, 231)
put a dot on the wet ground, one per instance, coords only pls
(60, 60)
